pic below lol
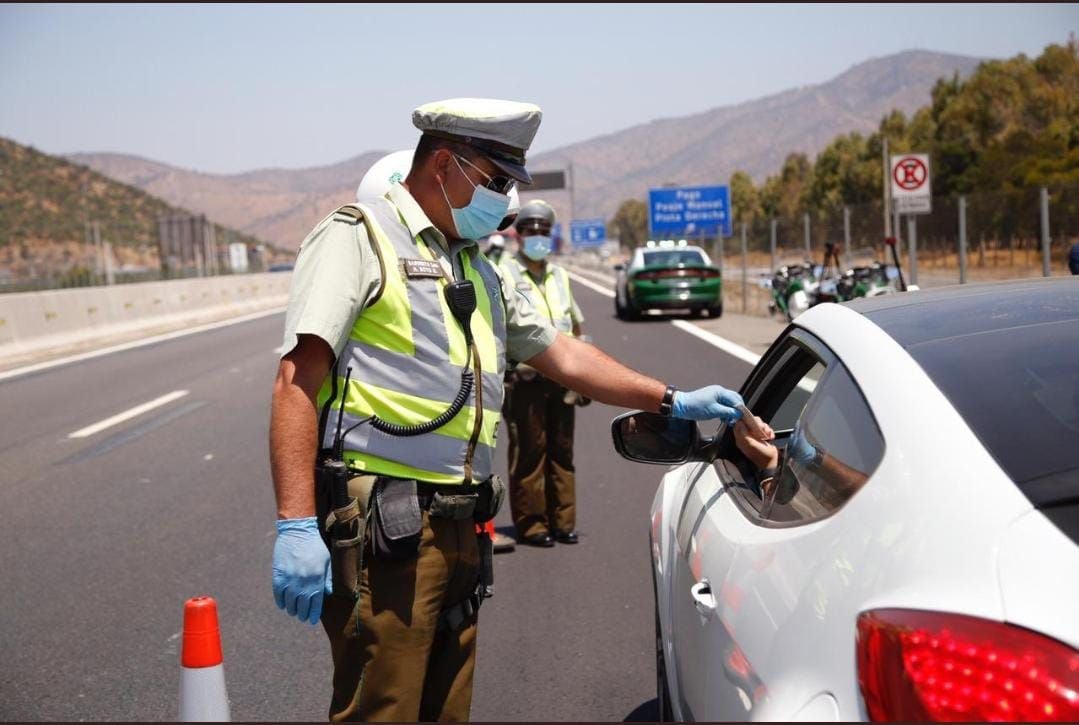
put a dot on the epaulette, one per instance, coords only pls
(349, 213)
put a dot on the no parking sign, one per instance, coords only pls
(911, 188)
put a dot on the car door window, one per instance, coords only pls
(839, 427)
(802, 389)
(778, 390)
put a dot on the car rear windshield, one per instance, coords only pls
(673, 258)
(1018, 389)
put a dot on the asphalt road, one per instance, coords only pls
(103, 537)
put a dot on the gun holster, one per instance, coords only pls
(344, 527)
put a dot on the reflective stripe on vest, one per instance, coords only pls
(554, 300)
(407, 352)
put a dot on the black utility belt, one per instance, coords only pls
(397, 504)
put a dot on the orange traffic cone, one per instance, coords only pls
(203, 697)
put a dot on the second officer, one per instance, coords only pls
(539, 412)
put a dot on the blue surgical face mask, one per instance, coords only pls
(483, 214)
(537, 247)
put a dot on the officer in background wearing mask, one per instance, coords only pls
(539, 416)
(397, 334)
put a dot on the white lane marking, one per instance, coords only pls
(136, 343)
(731, 348)
(602, 276)
(590, 284)
(127, 414)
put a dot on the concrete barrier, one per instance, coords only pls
(33, 323)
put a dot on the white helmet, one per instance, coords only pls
(389, 170)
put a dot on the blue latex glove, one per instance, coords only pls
(799, 449)
(707, 403)
(301, 569)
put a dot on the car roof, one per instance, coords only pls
(682, 248)
(1006, 355)
(942, 312)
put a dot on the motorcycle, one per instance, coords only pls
(793, 290)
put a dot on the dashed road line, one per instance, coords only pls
(127, 414)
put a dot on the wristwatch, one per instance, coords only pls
(668, 401)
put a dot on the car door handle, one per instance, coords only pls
(702, 598)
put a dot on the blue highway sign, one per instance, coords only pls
(587, 232)
(689, 211)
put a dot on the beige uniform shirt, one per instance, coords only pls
(549, 268)
(337, 274)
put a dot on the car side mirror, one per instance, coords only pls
(619, 267)
(653, 438)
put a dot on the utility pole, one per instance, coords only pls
(110, 278)
(572, 204)
(99, 253)
(846, 235)
(773, 245)
(887, 196)
(805, 224)
(962, 240)
(1046, 267)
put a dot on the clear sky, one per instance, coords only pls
(240, 87)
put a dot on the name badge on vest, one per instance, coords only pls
(415, 268)
(524, 287)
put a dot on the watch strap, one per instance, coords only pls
(667, 403)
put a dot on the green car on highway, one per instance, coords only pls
(668, 276)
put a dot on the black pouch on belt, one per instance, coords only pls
(491, 494)
(398, 522)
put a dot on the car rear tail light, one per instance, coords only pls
(932, 666)
(674, 273)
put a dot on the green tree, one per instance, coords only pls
(784, 195)
(745, 199)
(630, 223)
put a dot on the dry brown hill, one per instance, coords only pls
(46, 203)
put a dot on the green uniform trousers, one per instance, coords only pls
(390, 661)
(542, 482)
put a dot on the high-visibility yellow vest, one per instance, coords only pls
(407, 352)
(553, 299)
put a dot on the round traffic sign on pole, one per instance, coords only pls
(910, 173)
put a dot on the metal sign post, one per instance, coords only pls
(745, 271)
(912, 240)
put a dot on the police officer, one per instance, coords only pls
(383, 174)
(398, 324)
(538, 417)
(496, 248)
